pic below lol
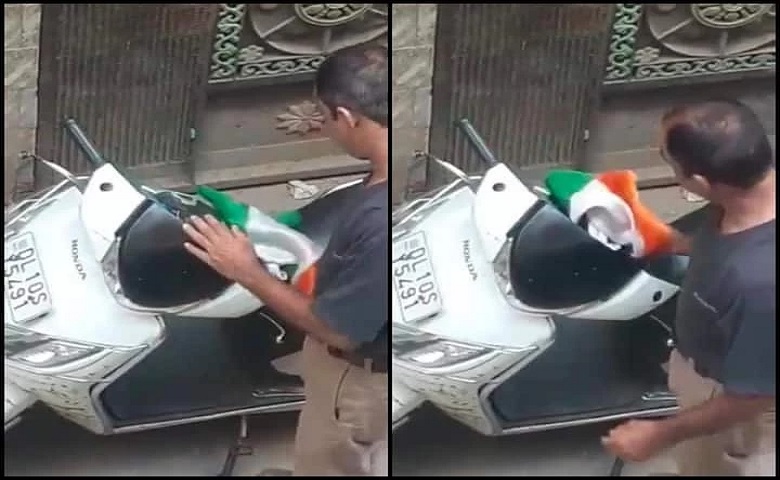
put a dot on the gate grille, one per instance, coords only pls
(527, 76)
(133, 77)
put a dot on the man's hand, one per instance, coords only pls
(228, 251)
(637, 440)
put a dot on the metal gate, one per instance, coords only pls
(133, 76)
(527, 76)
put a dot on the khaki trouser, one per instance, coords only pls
(343, 428)
(745, 450)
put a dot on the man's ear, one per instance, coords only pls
(348, 116)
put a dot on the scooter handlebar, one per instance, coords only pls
(476, 142)
(84, 144)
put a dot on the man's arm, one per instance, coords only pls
(231, 253)
(714, 416)
(292, 306)
(354, 301)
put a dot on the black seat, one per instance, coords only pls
(320, 217)
(669, 268)
(556, 264)
(155, 271)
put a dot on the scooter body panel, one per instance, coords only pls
(83, 308)
(85, 312)
(473, 308)
(464, 233)
(473, 311)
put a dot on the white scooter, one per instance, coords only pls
(510, 318)
(114, 326)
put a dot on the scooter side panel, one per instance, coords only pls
(640, 296)
(104, 209)
(473, 308)
(458, 394)
(501, 200)
(69, 394)
(474, 311)
(83, 311)
(83, 308)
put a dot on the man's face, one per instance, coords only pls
(343, 128)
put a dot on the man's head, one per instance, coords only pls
(352, 88)
(717, 148)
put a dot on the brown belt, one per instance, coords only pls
(370, 364)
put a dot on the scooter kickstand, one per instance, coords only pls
(617, 467)
(240, 448)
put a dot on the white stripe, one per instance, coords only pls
(607, 213)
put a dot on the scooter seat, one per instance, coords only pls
(555, 264)
(155, 271)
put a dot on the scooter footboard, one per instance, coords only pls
(16, 402)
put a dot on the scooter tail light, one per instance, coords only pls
(110, 266)
(501, 270)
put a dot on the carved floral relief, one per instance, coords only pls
(270, 40)
(661, 41)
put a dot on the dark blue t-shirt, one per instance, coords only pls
(351, 292)
(726, 309)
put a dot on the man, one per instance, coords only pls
(723, 367)
(343, 428)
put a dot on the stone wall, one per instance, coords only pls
(22, 26)
(412, 51)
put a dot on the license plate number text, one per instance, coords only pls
(414, 279)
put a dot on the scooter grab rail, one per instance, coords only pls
(477, 142)
(84, 144)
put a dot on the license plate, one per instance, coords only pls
(414, 280)
(26, 292)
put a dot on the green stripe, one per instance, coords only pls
(563, 184)
(225, 208)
